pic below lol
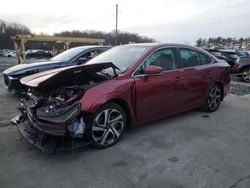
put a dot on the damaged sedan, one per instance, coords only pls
(125, 86)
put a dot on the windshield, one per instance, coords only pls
(68, 54)
(122, 57)
(233, 55)
(216, 53)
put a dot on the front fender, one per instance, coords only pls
(92, 105)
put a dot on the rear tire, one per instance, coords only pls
(245, 75)
(107, 125)
(213, 98)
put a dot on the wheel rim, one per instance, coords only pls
(246, 75)
(214, 98)
(108, 126)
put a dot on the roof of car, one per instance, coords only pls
(161, 44)
(93, 46)
(212, 50)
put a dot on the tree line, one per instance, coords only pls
(224, 43)
(123, 37)
(11, 29)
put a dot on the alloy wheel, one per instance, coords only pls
(214, 98)
(246, 75)
(108, 126)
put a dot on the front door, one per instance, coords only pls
(159, 95)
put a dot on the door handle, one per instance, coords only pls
(178, 78)
(208, 74)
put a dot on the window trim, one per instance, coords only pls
(179, 57)
(142, 75)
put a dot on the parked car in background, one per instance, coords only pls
(73, 56)
(38, 54)
(9, 54)
(3, 51)
(232, 56)
(242, 67)
(127, 85)
(242, 53)
(216, 53)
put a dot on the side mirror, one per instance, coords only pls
(153, 70)
(81, 60)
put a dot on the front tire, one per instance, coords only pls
(213, 98)
(107, 125)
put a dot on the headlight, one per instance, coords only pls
(12, 78)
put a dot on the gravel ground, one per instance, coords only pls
(239, 88)
(6, 62)
(189, 150)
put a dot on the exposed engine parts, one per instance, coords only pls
(60, 107)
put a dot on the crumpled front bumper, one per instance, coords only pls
(44, 134)
(56, 125)
(43, 142)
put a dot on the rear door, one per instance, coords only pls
(197, 72)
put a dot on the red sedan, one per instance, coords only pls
(127, 85)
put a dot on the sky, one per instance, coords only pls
(180, 21)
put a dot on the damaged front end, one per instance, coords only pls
(52, 113)
(46, 121)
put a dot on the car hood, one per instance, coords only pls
(24, 68)
(51, 77)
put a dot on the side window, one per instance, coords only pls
(94, 53)
(90, 54)
(204, 59)
(164, 58)
(190, 58)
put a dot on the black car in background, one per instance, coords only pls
(73, 56)
(216, 53)
(242, 53)
(38, 54)
(232, 57)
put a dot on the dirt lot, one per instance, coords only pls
(193, 149)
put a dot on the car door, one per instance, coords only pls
(157, 96)
(197, 73)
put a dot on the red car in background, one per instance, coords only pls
(125, 86)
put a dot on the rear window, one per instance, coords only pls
(190, 58)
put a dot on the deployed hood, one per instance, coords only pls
(40, 66)
(51, 77)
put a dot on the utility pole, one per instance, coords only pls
(116, 24)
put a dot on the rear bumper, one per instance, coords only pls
(236, 69)
(226, 89)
